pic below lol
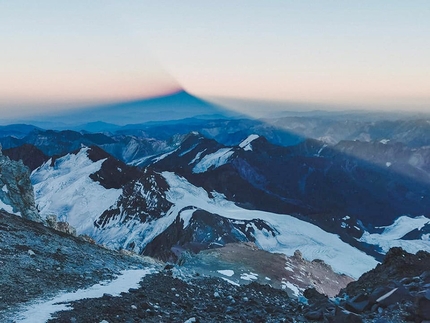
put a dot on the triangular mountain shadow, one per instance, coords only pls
(179, 105)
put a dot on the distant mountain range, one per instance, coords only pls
(179, 105)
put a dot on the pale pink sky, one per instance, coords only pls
(362, 54)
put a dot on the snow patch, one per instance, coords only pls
(42, 311)
(320, 151)
(246, 144)
(388, 164)
(230, 281)
(289, 268)
(292, 287)
(249, 277)
(226, 272)
(6, 207)
(214, 160)
(157, 159)
(384, 141)
(391, 236)
(197, 157)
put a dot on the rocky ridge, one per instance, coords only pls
(398, 290)
(16, 191)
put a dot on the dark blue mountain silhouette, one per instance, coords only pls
(174, 106)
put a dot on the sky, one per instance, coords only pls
(341, 54)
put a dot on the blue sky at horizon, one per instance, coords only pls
(370, 54)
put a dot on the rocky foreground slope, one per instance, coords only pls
(396, 291)
(38, 262)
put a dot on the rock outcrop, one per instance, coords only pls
(16, 191)
(398, 290)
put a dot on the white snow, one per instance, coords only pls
(312, 241)
(388, 164)
(230, 281)
(251, 276)
(41, 311)
(186, 216)
(6, 207)
(384, 141)
(292, 287)
(289, 268)
(226, 272)
(246, 144)
(139, 161)
(157, 159)
(215, 160)
(321, 149)
(67, 191)
(391, 236)
(380, 299)
(197, 157)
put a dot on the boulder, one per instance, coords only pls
(422, 304)
(343, 316)
(358, 304)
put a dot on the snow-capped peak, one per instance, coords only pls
(67, 190)
(246, 144)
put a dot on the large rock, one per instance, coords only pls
(16, 191)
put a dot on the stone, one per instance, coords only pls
(358, 304)
(344, 316)
(396, 295)
(377, 293)
(316, 315)
(16, 189)
(422, 304)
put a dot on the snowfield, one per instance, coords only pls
(214, 160)
(391, 236)
(313, 242)
(67, 191)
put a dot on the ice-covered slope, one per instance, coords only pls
(66, 190)
(134, 215)
(293, 234)
(393, 235)
(286, 234)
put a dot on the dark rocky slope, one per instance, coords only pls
(31, 156)
(38, 261)
(398, 290)
(163, 298)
